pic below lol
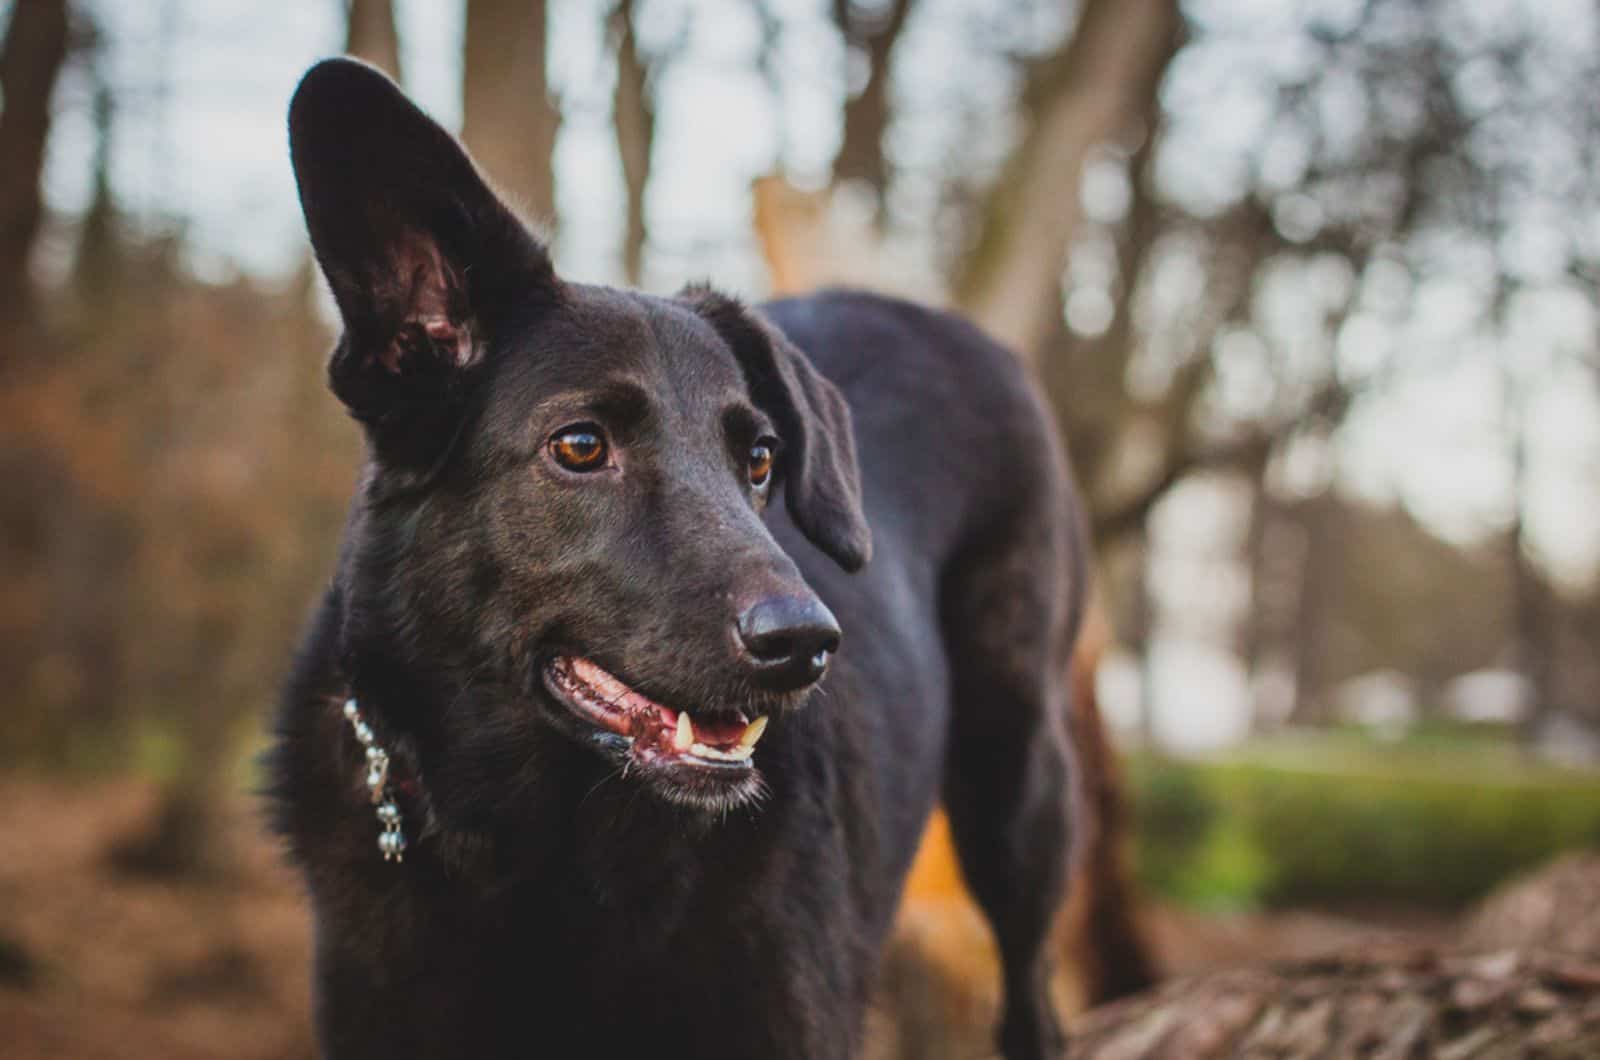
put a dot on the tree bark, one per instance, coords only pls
(634, 118)
(30, 62)
(866, 113)
(371, 35)
(1081, 97)
(1399, 1004)
(510, 121)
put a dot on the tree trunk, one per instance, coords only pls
(866, 113)
(1321, 571)
(1533, 635)
(371, 35)
(1141, 630)
(1399, 1005)
(30, 61)
(634, 118)
(509, 121)
(1083, 96)
(98, 264)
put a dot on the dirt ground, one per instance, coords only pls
(95, 963)
(102, 964)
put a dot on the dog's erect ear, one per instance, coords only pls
(821, 477)
(423, 259)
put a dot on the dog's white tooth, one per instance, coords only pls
(683, 739)
(752, 733)
(737, 754)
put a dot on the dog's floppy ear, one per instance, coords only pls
(820, 473)
(423, 259)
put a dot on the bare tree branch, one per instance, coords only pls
(1249, 450)
(1079, 98)
(861, 155)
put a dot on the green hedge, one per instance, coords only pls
(1247, 832)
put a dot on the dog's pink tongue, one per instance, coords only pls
(720, 732)
(613, 691)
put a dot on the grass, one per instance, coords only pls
(1335, 819)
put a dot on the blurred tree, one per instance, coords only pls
(31, 57)
(1198, 298)
(1406, 148)
(1534, 635)
(1090, 91)
(870, 32)
(173, 455)
(245, 465)
(510, 120)
(99, 255)
(371, 35)
(634, 119)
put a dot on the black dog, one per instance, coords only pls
(602, 541)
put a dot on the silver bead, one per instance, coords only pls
(392, 840)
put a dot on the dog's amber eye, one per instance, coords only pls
(760, 464)
(580, 448)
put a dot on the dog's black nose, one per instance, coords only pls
(787, 640)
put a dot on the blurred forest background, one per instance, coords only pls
(1311, 284)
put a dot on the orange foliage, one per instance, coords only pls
(178, 474)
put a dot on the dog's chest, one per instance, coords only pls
(609, 976)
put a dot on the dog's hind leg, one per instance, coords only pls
(1009, 612)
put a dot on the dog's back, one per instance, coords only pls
(973, 601)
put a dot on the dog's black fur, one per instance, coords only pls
(559, 898)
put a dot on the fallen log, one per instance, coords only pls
(1554, 907)
(1395, 1004)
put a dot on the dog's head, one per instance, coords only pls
(560, 532)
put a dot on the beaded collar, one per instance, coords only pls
(392, 839)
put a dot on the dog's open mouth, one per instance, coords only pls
(655, 734)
